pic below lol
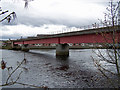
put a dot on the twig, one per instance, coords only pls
(14, 71)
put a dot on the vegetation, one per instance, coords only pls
(110, 58)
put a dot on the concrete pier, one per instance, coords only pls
(15, 47)
(62, 50)
(25, 48)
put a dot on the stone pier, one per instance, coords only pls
(62, 50)
(25, 48)
(15, 46)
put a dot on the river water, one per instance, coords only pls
(43, 68)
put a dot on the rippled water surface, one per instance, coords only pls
(43, 68)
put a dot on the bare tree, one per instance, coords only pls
(9, 17)
(111, 55)
(10, 81)
(12, 15)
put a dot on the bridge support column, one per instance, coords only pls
(25, 48)
(12, 44)
(62, 50)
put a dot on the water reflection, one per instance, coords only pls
(62, 58)
(63, 61)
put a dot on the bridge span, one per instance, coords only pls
(97, 35)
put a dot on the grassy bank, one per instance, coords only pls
(6, 47)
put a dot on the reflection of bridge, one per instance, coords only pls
(99, 35)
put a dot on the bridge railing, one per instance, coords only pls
(73, 29)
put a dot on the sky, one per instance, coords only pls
(49, 16)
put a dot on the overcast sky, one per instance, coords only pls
(49, 16)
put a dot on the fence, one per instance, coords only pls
(73, 29)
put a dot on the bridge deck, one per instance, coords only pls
(85, 36)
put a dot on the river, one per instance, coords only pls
(43, 68)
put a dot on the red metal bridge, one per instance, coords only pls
(97, 35)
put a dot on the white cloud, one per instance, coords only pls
(55, 11)
(17, 31)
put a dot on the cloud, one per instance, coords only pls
(16, 31)
(67, 12)
(43, 16)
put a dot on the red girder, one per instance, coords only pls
(85, 38)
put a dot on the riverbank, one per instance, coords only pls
(54, 47)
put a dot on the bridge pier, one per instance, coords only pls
(14, 46)
(25, 48)
(62, 50)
